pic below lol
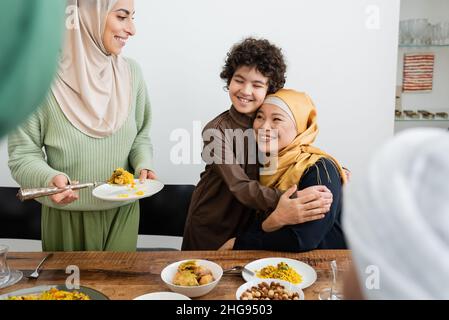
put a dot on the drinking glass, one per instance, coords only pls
(335, 291)
(445, 31)
(405, 32)
(4, 269)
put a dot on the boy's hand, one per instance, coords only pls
(229, 245)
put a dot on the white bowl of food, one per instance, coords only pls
(269, 289)
(193, 278)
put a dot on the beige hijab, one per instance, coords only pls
(93, 88)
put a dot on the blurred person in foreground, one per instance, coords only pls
(396, 220)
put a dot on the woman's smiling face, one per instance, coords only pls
(275, 129)
(119, 26)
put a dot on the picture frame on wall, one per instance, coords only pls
(418, 72)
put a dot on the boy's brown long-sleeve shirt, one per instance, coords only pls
(228, 195)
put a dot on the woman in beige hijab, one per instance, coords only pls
(96, 118)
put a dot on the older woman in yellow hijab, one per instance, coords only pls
(96, 118)
(286, 128)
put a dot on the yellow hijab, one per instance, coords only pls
(298, 156)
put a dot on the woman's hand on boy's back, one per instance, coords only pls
(310, 204)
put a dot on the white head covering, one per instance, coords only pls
(93, 88)
(396, 218)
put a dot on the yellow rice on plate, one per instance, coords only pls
(282, 271)
(122, 177)
(53, 294)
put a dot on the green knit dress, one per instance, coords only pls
(47, 144)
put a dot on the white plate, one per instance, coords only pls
(111, 192)
(162, 296)
(307, 272)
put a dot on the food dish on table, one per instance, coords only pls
(55, 292)
(269, 289)
(297, 272)
(281, 271)
(191, 274)
(193, 287)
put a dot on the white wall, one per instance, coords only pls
(333, 53)
(5, 177)
(435, 11)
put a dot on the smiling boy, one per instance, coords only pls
(229, 192)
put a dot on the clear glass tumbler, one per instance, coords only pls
(4, 269)
(335, 291)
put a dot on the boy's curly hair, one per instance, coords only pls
(261, 54)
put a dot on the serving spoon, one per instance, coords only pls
(30, 194)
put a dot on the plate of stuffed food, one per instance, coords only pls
(192, 278)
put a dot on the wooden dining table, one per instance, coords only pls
(125, 276)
